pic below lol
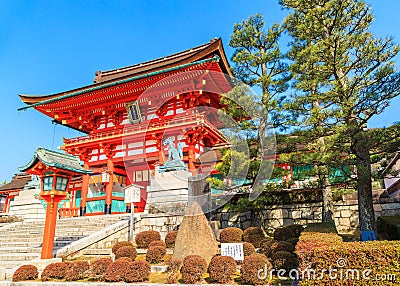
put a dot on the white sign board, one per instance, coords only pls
(234, 250)
(132, 194)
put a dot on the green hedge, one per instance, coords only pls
(341, 263)
(389, 227)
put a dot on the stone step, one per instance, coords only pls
(96, 251)
(20, 249)
(21, 244)
(11, 264)
(18, 256)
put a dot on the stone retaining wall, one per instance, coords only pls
(159, 222)
(345, 213)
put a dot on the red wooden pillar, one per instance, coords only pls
(50, 226)
(84, 191)
(109, 187)
(5, 207)
(161, 158)
(192, 158)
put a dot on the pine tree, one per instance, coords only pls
(343, 76)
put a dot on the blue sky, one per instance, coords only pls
(52, 46)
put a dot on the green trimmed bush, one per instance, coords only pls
(254, 235)
(25, 273)
(144, 238)
(283, 234)
(251, 265)
(231, 235)
(120, 244)
(138, 271)
(222, 268)
(194, 266)
(389, 227)
(126, 251)
(284, 260)
(282, 246)
(170, 239)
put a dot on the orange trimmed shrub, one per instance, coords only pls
(170, 239)
(231, 235)
(157, 243)
(116, 271)
(222, 268)
(120, 244)
(25, 272)
(126, 251)
(174, 264)
(98, 267)
(251, 266)
(76, 270)
(138, 271)
(144, 238)
(54, 271)
(254, 235)
(194, 266)
(156, 254)
(248, 249)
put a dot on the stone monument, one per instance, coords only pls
(195, 235)
(168, 189)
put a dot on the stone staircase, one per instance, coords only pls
(21, 241)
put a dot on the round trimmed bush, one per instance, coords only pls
(296, 228)
(231, 235)
(293, 241)
(126, 251)
(254, 235)
(144, 238)
(194, 266)
(173, 278)
(282, 246)
(116, 271)
(266, 246)
(174, 264)
(76, 270)
(157, 243)
(284, 260)
(170, 239)
(98, 267)
(25, 272)
(222, 268)
(156, 254)
(251, 266)
(54, 271)
(283, 234)
(120, 244)
(248, 249)
(138, 271)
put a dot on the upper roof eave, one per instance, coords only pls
(202, 52)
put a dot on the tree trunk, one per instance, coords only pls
(364, 183)
(327, 206)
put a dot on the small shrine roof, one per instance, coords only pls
(55, 159)
(18, 182)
